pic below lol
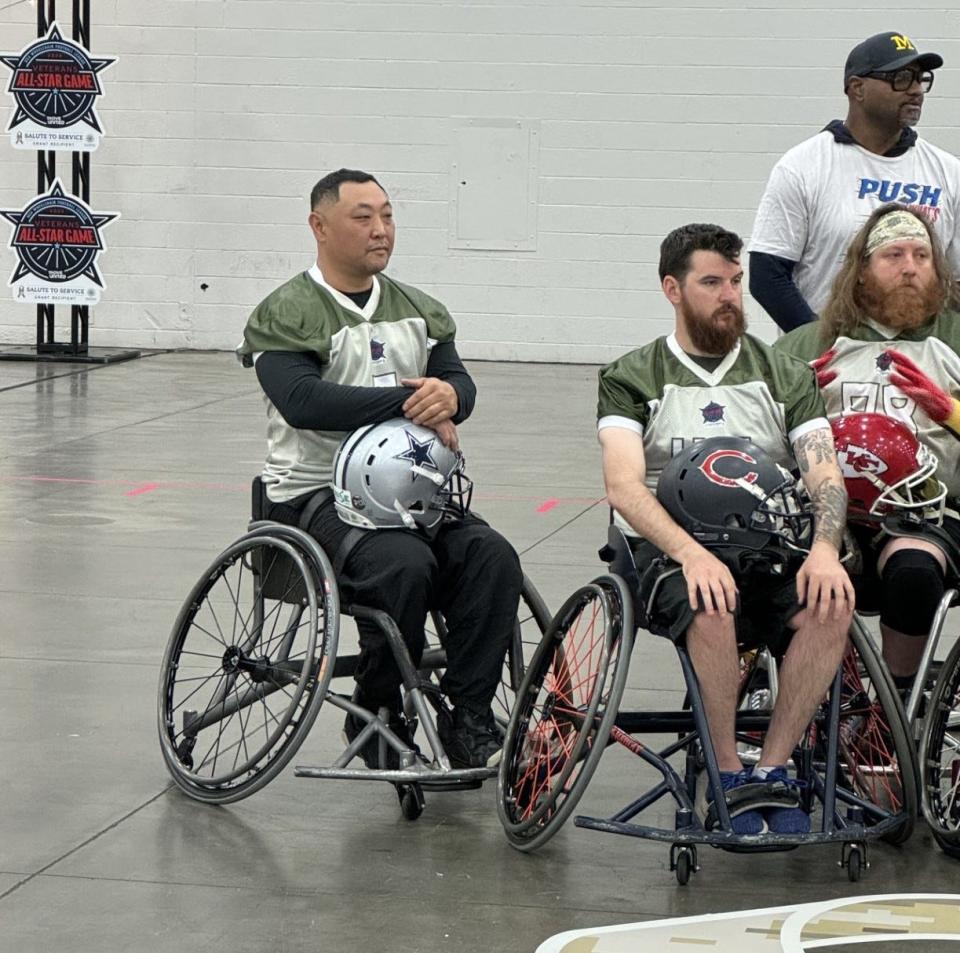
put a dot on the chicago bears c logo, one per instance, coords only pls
(709, 465)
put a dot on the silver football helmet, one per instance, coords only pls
(397, 475)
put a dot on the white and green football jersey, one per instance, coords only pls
(862, 384)
(387, 340)
(661, 393)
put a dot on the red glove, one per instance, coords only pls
(934, 401)
(824, 376)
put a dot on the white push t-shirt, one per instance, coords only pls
(822, 191)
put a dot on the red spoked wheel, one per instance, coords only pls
(565, 710)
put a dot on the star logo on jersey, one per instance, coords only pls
(855, 461)
(377, 350)
(713, 413)
(884, 361)
(418, 453)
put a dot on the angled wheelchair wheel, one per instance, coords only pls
(940, 747)
(565, 709)
(877, 760)
(248, 664)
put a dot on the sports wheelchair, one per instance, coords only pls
(251, 659)
(855, 762)
(933, 706)
(939, 733)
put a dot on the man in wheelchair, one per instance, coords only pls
(352, 360)
(889, 370)
(748, 568)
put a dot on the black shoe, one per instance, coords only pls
(471, 740)
(370, 752)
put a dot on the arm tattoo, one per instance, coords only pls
(814, 448)
(829, 512)
(814, 452)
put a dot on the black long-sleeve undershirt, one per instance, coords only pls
(293, 382)
(772, 285)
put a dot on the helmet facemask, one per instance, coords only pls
(785, 513)
(920, 492)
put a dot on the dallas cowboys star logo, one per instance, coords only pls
(418, 453)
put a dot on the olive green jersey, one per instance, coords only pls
(387, 340)
(661, 393)
(863, 369)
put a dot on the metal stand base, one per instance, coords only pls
(66, 353)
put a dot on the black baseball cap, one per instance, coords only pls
(884, 52)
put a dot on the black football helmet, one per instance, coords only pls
(727, 492)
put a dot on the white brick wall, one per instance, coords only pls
(221, 114)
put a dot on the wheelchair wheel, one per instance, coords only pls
(533, 617)
(940, 745)
(877, 760)
(565, 709)
(248, 664)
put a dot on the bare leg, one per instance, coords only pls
(808, 669)
(901, 652)
(712, 644)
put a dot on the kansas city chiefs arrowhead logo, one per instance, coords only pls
(856, 461)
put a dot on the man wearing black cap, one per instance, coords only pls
(822, 191)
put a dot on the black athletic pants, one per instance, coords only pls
(466, 570)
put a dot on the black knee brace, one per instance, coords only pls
(911, 591)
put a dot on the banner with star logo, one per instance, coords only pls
(55, 83)
(57, 240)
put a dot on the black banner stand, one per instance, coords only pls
(48, 348)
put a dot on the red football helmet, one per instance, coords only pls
(886, 469)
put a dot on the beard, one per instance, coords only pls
(716, 334)
(903, 307)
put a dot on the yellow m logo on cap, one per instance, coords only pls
(902, 42)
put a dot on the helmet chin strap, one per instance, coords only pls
(432, 475)
(408, 520)
(752, 488)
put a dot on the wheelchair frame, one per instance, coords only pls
(567, 716)
(250, 662)
(933, 714)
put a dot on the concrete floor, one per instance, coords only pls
(118, 485)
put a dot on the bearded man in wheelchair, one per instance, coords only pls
(752, 517)
(747, 568)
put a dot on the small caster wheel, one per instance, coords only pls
(854, 860)
(411, 800)
(683, 861)
(854, 865)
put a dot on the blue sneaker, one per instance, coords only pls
(747, 821)
(786, 819)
